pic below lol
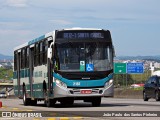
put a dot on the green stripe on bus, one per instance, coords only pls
(37, 90)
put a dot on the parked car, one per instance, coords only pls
(152, 88)
(3, 94)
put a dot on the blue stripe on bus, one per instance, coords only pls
(36, 40)
(83, 83)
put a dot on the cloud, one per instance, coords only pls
(62, 22)
(11, 24)
(125, 19)
(11, 38)
(17, 3)
(14, 32)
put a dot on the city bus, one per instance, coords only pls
(65, 65)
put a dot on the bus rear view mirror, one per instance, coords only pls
(49, 53)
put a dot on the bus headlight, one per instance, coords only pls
(109, 82)
(60, 83)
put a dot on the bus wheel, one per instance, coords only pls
(68, 101)
(63, 102)
(26, 100)
(34, 102)
(96, 102)
(50, 102)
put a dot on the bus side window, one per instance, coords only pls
(15, 61)
(41, 53)
(45, 47)
(23, 58)
(36, 55)
(27, 59)
(38, 52)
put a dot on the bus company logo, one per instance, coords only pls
(6, 114)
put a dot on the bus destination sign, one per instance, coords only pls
(81, 35)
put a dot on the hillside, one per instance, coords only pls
(156, 57)
(6, 57)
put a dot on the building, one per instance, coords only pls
(157, 65)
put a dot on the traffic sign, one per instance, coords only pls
(120, 68)
(135, 68)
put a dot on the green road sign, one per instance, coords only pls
(120, 68)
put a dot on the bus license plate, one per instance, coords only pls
(86, 91)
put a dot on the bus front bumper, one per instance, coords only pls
(60, 92)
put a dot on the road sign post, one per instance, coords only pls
(120, 68)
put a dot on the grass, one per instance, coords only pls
(138, 88)
(133, 93)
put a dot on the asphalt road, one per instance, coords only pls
(110, 109)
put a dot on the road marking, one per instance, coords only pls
(64, 118)
(53, 114)
(15, 108)
(36, 118)
(28, 110)
(77, 117)
(4, 107)
(51, 119)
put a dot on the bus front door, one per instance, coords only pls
(50, 75)
(50, 78)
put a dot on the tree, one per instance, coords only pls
(6, 74)
(128, 79)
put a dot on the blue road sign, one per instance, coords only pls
(89, 67)
(135, 68)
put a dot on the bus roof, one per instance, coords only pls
(79, 28)
(50, 34)
(34, 40)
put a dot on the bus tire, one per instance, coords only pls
(67, 101)
(34, 102)
(26, 101)
(96, 102)
(63, 102)
(71, 102)
(50, 102)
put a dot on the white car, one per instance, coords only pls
(3, 94)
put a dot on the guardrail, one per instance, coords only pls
(6, 84)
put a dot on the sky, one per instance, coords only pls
(134, 24)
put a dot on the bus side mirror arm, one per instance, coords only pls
(114, 53)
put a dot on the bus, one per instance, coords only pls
(65, 65)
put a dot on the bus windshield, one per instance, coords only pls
(84, 56)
